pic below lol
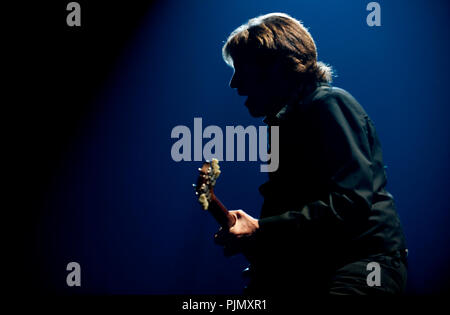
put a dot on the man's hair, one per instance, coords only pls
(277, 36)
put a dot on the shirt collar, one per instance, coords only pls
(275, 120)
(282, 114)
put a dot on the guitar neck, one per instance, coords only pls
(220, 213)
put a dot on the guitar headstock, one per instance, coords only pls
(206, 181)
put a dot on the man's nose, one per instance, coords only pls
(234, 81)
(237, 83)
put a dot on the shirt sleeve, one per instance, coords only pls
(342, 152)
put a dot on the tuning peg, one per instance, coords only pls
(193, 185)
(207, 161)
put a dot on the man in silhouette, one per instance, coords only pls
(327, 225)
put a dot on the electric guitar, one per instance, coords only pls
(204, 189)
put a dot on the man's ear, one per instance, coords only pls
(279, 69)
(276, 68)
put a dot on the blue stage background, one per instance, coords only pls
(121, 207)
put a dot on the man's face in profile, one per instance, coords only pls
(261, 84)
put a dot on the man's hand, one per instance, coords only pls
(236, 238)
(245, 225)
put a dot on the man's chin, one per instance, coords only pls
(255, 111)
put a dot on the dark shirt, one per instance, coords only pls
(327, 204)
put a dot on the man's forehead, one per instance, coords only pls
(246, 62)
